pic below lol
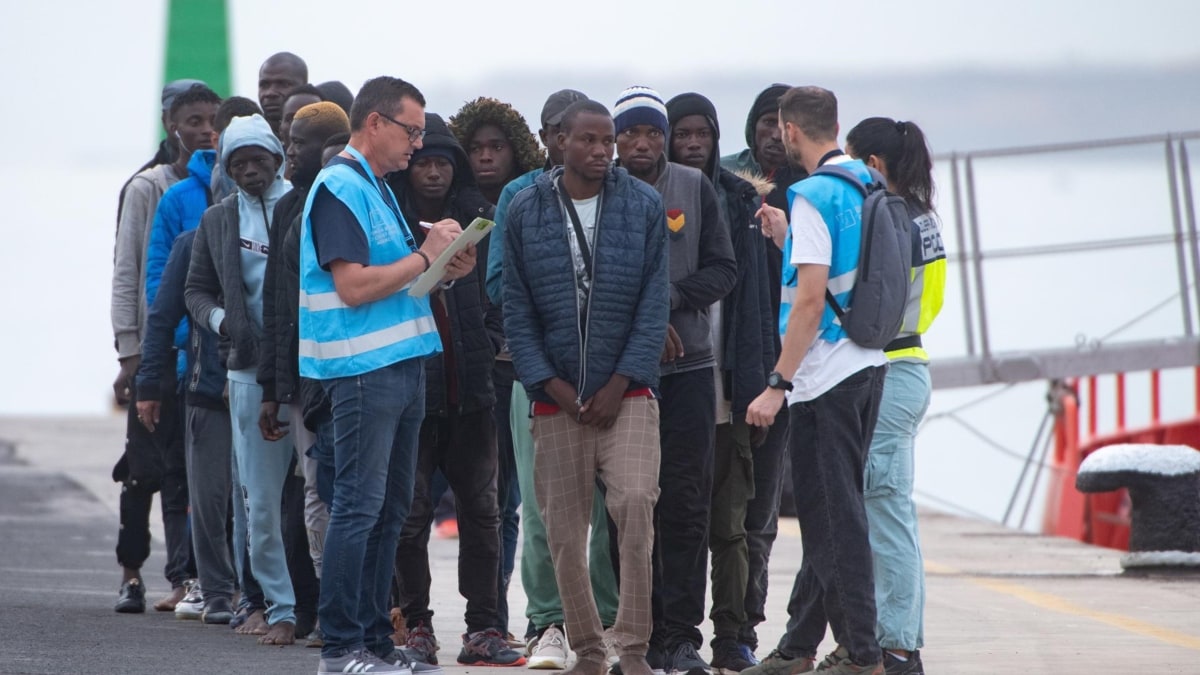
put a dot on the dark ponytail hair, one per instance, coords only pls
(901, 146)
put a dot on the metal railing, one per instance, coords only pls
(982, 364)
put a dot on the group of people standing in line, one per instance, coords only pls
(607, 372)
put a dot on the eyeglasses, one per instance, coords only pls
(414, 133)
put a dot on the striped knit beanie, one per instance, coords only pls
(640, 105)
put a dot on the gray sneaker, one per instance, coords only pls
(778, 663)
(361, 661)
(549, 651)
(685, 660)
(838, 662)
(400, 657)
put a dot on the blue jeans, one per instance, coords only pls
(891, 514)
(376, 422)
(835, 587)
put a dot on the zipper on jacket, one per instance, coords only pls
(579, 319)
(194, 384)
(587, 320)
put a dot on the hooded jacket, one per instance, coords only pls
(783, 178)
(178, 211)
(625, 325)
(475, 325)
(205, 381)
(748, 351)
(228, 267)
(139, 200)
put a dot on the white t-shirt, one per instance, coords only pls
(586, 210)
(826, 363)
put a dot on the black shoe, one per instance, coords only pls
(132, 598)
(305, 623)
(656, 658)
(685, 660)
(728, 657)
(217, 611)
(894, 666)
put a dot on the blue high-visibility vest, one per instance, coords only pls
(337, 340)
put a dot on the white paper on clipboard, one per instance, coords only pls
(473, 233)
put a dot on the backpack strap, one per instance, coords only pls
(853, 179)
(843, 173)
(849, 176)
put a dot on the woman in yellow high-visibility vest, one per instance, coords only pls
(899, 152)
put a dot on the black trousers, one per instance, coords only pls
(835, 587)
(155, 462)
(464, 448)
(687, 434)
(295, 543)
(762, 524)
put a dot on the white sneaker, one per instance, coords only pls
(192, 604)
(610, 648)
(550, 651)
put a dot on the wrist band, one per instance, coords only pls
(423, 257)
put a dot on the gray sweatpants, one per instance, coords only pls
(208, 444)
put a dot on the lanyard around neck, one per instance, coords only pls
(385, 193)
(836, 152)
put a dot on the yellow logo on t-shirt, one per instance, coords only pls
(675, 220)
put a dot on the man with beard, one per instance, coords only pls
(832, 386)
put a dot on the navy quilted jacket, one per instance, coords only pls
(625, 325)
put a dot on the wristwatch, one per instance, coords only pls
(777, 381)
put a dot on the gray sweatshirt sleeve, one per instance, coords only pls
(129, 269)
(203, 284)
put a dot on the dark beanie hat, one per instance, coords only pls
(439, 142)
(765, 102)
(692, 103)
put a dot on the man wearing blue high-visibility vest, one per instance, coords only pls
(365, 338)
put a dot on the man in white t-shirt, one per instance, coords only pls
(833, 387)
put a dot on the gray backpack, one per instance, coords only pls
(884, 265)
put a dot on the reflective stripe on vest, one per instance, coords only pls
(927, 291)
(840, 206)
(337, 340)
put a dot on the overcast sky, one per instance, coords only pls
(109, 53)
(82, 84)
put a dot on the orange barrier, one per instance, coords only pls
(1103, 519)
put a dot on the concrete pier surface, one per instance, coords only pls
(998, 600)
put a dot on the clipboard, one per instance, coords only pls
(473, 233)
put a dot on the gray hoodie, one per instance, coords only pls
(229, 256)
(129, 259)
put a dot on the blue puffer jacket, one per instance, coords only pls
(178, 211)
(626, 322)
